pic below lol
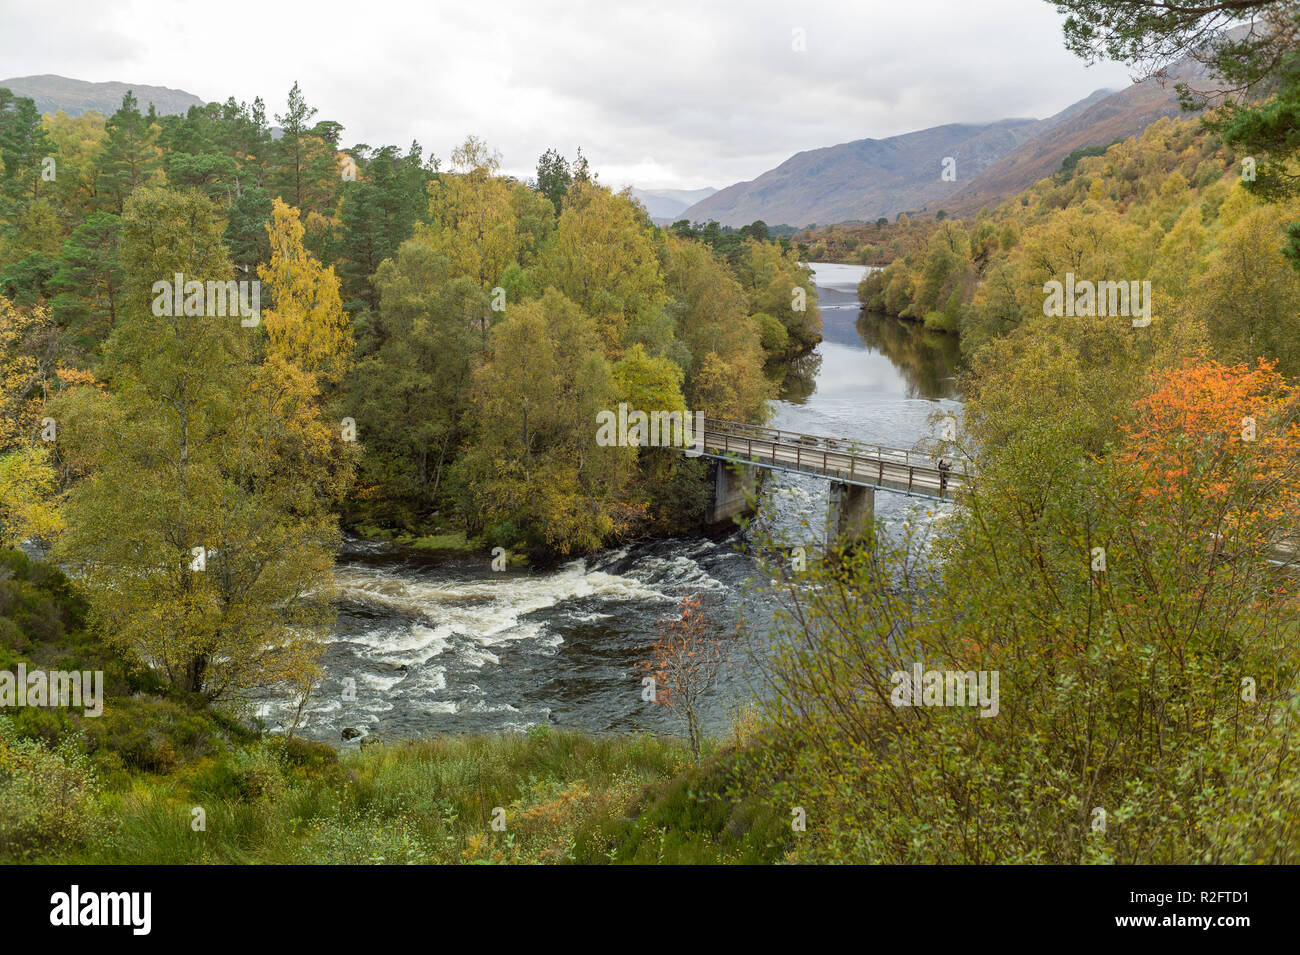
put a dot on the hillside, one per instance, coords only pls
(1090, 123)
(870, 178)
(864, 179)
(53, 93)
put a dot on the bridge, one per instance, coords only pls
(855, 469)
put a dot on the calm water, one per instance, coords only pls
(438, 646)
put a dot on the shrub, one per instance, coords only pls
(246, 775)
(47, 797)
(155, 735)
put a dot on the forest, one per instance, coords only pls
(402, 299)
(431, 351)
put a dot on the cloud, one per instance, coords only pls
(671, 94)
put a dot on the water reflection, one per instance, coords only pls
(798, 379)
(928, 361)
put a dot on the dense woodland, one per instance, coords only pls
(1170, 205)
(418, 299)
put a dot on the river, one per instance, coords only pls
(437, 645)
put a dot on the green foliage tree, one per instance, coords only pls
(194, 445)
(553, 178)
(377, 214)
(409, 394)
(306, 173)
(130, 157)
(24, 144)
(89, 281)
(533, 460)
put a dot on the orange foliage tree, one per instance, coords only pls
(1216, 449)
(685, 662)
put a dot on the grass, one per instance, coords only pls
(454, 542)
(555, 796)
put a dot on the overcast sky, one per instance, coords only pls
(658, 93)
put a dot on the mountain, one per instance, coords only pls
(864, 179)
(1097, 123)
(869, 178)
(669, 204)
(53, 93)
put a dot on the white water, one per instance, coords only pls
(438, 647)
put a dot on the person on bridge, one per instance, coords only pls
(944, 468)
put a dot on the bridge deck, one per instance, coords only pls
(850, 462)
(867, 465)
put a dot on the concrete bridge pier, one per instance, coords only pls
(850, 513)
(734, 487)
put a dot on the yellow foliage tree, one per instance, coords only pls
(305, 325)
(473, 216)
(27, 482)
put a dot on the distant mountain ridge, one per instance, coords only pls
(864, 179)
(1089, 123)
(52, 93)
(868, 179)
(669, 204)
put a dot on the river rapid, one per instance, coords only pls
(430, 645)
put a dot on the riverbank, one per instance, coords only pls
(541, 797)
(161, 778)
(434, 640)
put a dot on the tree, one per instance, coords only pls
(89, 280)
(776, 284)
(602, 258)
(130, 157)
(27, 481)
(532, 459)
(649, 383)
(1231, 433)
(307, 172)
(472, 216)
(198, 528)
(246, 228)
(1247, 294)
(724, 355)
(23, 373)
(293, 147)
(553, 178)
(378, 213)
(212, 173)
(27, 280)
(685, 663)
(28, 503)
(1151, 35)
(305, 324)
(1260, 68)
(409, 394)
(24, 143)
(77, 144)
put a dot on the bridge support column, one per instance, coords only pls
(850, 513)
(734, 487)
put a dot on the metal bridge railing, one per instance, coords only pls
(834, 457)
